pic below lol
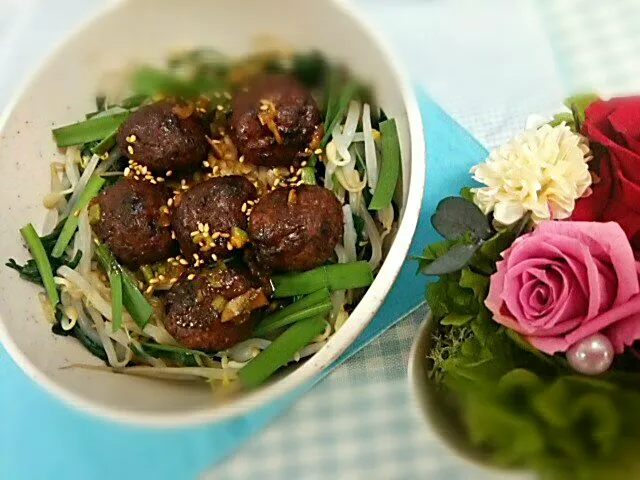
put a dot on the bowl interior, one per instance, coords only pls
(64, 89)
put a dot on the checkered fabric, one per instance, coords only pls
(490, 64)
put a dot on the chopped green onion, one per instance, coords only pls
(71, 223)
(389, 168)
(339, 276)
(281, 351)
(96, 128)
(42, 262)
(347, 93)
(308, 175)
(132, 298)
(151, 81)
(312, 305)
(115, 282)
(106, 143)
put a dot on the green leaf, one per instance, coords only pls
(476, 282)
(456, 216)
(597, 413)
(456, 319)
(452, 261)
(550, 404)
(578, 104)
(467, 194)
(565, 117)
(437, 298)
(519, 385)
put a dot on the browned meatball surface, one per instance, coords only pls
(156, 137)
(275, 120)
(132, 224)
(200, 311)
(296, 229)
(217, 204)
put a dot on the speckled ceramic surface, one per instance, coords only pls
(63, 90)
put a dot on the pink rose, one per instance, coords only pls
(566, 281)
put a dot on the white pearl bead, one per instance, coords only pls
(592, 355)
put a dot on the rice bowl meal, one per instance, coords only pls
(217, 219)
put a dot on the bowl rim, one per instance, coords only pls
(309, 372)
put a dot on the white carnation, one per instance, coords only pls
(542, 171)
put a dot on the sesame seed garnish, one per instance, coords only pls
(205, 164)
(244, 207)
(219, 108)
(140, 285)
(215, 235)
(173, 280)
(214, 257)
(130, 149)
(194, 233)
(191, 276)
(196, 256)
(153, 182)
(293, 179)
(241, 159)
(303, 164)
(183, 262)
(229, 246)
(161, 278)
(264, 108)
(216, 94)
(170, 202)
(173, 235)
(227, 95)
(153, 281)
(127, 171)
(317, 151)
(159, 179)
(149, 290)
(136, 177)
(276, 182)
(169, 173)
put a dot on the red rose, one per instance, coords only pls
(613, 128)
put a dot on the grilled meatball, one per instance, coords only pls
(275, 120)
(156, 137)
(200, 311)
(296, 229)
(217, 204)
(132, 223)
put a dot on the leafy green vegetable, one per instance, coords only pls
(310, 68)
(312, 305)
(389, 169)
(96, 128)
(41, 259)
(281, 351)
(71, 223)
(340, 276)
(94, 348)
(133, 300)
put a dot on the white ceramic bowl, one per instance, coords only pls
(63, 90)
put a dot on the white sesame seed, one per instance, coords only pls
(183, 262)
(170, 202)
(127, 171)
(229, 246)
(244, 207)
(241, 159)
(191, 276)
(169, 173)
(153, 281)
(205, 164)
(317, 151)
(130, 149)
